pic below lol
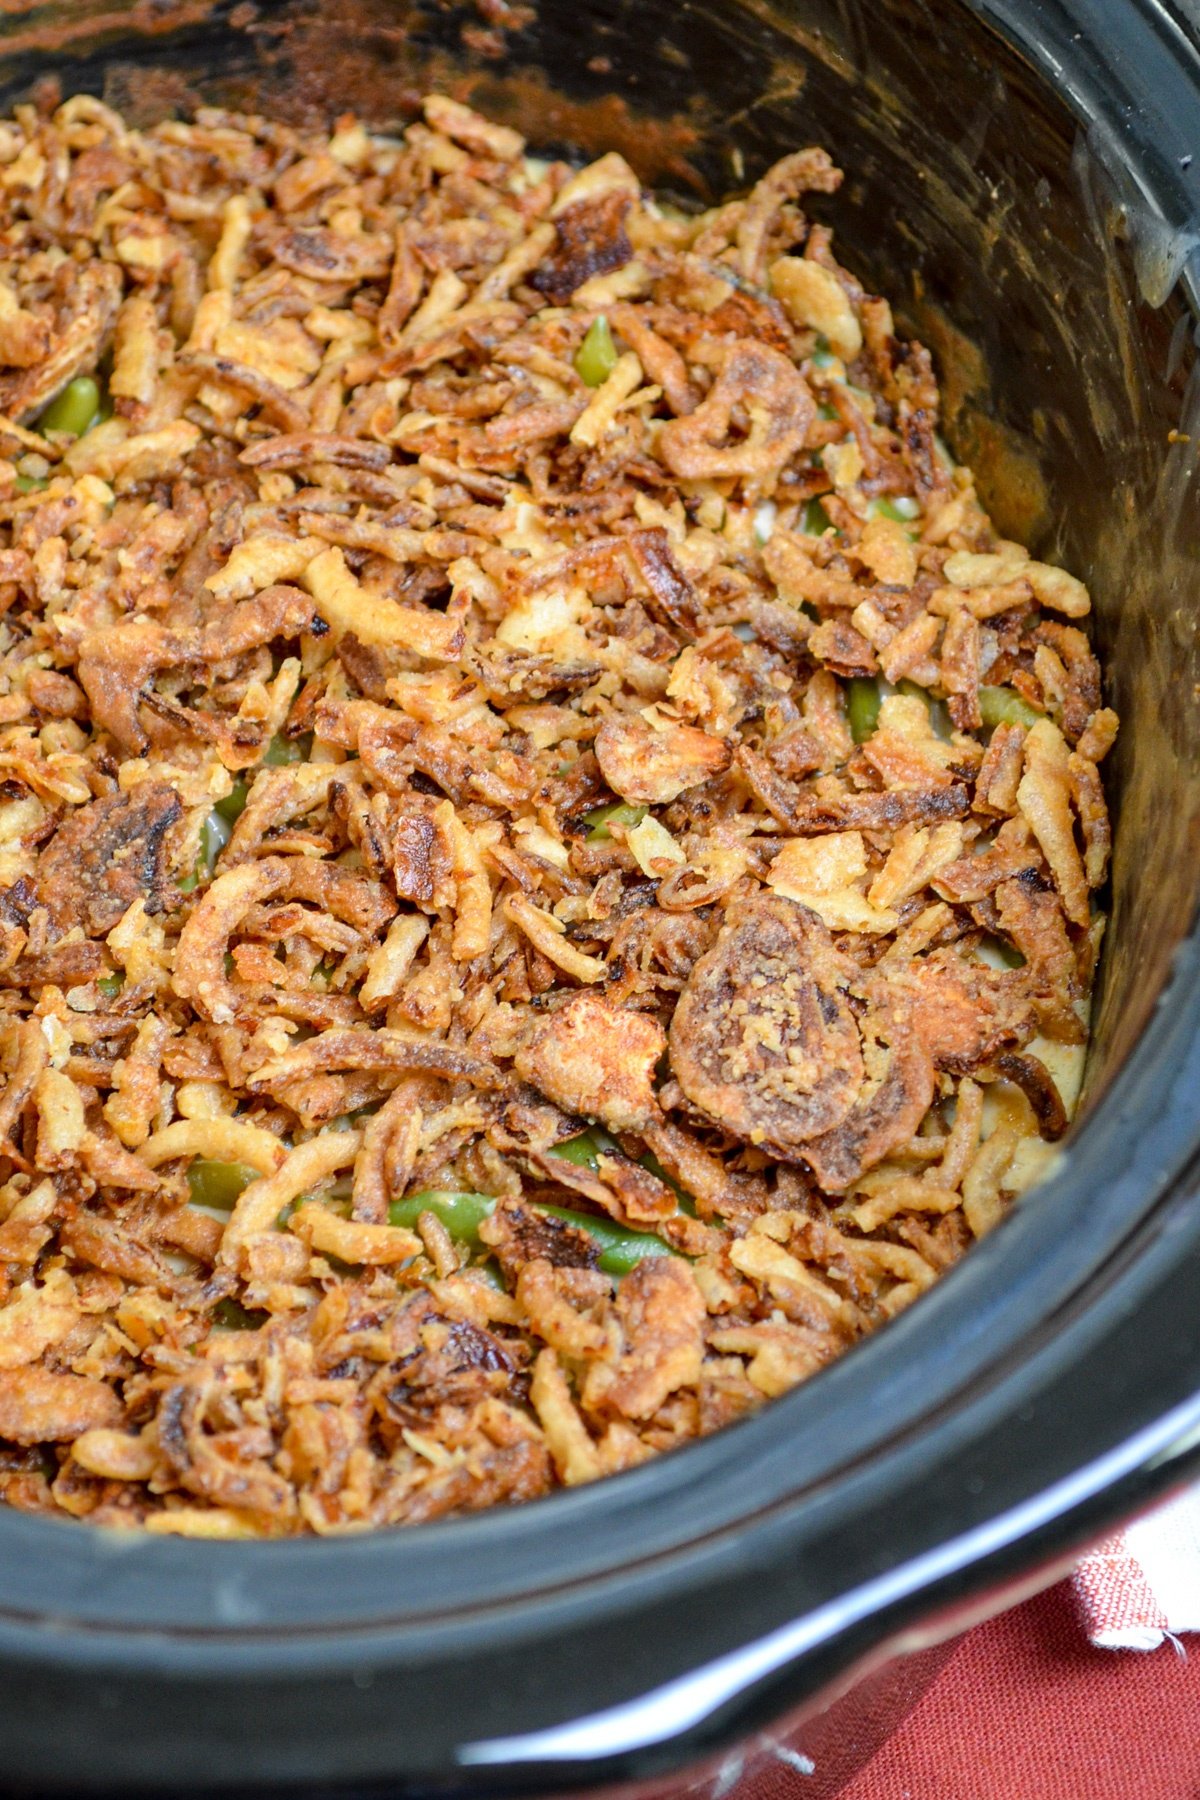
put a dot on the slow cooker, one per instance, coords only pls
(1024, 183)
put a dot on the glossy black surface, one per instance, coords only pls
(1020, 185)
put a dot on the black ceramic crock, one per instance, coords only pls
(1024, 181)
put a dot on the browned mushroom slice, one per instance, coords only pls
(592, 240)
(521, 1234)
(116, 662)
(642, 764)
(963, 1012)
(764, 1040)
(887, 1116)
(107, 855)
(596, 1059)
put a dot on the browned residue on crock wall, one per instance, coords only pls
(367, 56)
(66, 26)
(1007, 473)
(371, 57)
(657, 148)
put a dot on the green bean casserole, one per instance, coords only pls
(547, 843)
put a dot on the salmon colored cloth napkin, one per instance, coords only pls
(1028, 1709)
(1034, 1705)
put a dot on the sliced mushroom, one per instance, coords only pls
(884, 1119)
(764, 1040)
(655, 766)
(596, 1059)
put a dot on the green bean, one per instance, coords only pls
(620, 1249)
(461, 1214)
(585, 1150)
(215, 833)
(596, 357)
(901, 507)
(281, 750)
(1004, 706)
(816, 520)
(231, 1316)
(75, 409)
(218, 1183)
(110, 985)
(1005, 952)
(31, 484)
(602, 817)
(233, 805)
(863, 700)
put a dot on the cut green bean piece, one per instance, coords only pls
(585, 1150)
(75, 409)
(620, 1249)
(215, 833)
(110, 985)
(1003, 952)
(232, 1316)
(282, 750)
(1004, 706)
(461, 1214)
(596, 357)
(816, 520)
(863, 700)
(233, 805)
(31, 484)
(602, 817)
(901, 507)
(218, 1183)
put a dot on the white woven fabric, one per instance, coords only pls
(1143, 1585)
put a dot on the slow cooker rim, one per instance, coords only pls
(36, 1549)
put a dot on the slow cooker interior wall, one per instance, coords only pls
(969, 200)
